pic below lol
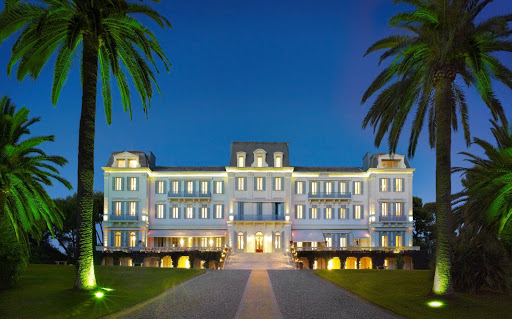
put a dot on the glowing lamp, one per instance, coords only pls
(98, 294)
(435, 304)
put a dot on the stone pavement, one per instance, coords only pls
(258, 298)
(258, 261)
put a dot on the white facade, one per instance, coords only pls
(259, 203)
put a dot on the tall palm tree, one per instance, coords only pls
(25, 207)
(108, 38)
(441, 47)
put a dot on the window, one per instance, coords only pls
(329, 242)
(204, 242)
(204, 187)
(204, 212)
(119, 184)
(398, 185)
(313, 244)
(259, 162)
(133, 183)
(314, 212)
(384, 209)
(121, 163)
(300, 211)
(175, 187)
(357, 188)
(343, 187)
(160, 212)
(190, 212)
(384, 241)
(328, 212)
(357, 212)
(314, 188)
(343, 241)
(299, 244)
(218, 211)
(133, 239)
(160, 187)
(218, 242)
(241, 161)
(240, 183)
(398, 209)
(190, 187)
(175, 212)
(300, 187)
(118, 211)
(240, 240)
(278, 162)
(132, 163)
(343, 213)
(278, 183)
(277, 243)
(328, 188)
(117, 242)
(259, 183)
(384, 184)
(398, 240)
(218, 187)
(390, 163)
(133, 208)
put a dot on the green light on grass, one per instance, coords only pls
(435, 304)
(99, 294)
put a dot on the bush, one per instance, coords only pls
(13, 257)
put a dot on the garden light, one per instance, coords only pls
(435, 304)
(99, 294)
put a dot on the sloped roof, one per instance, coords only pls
(327, 169)
(143, 159)
(250, 147)
(190, 168)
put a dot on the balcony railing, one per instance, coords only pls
(155, 249)
(122, 217)
(196, 194)
(354, 248)
(255, 217)
(346, 195)
(393, 218)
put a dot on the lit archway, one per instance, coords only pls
(167, 262)
(184, 262)
(334, 263)
(351, 263)
(258, 242)
(365, 263)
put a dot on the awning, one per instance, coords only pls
(307, 235)
(361, 234)
(187, 233)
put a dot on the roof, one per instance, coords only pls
(327, 169)
(190, 168)
(250, 147)
(143, 159)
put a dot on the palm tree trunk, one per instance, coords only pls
(85, 278)
(443, 108)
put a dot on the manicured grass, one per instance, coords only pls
(45, 291)
(406, 292)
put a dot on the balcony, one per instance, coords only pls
(357, 248)
(123, 218)
(393, 218)
(196, 194)
(331, 195)
(258, 217)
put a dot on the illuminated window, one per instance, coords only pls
(277, 243)
(300, 187)
(218, 211)
(328, 212)
(357, 212)
(343, 241)
(398, 209)
(218, 187)
(133, 239)
(259, 162)
(133, 183)
(132, 163)
(398, 184)
(259, 183)
(240, 240)
(218, 242)
(398, 240)
(241, 183)
(343, 187)
(299, 244)
(278, 162)
(160, 187)
(343, 213)
(300, 211)
(175, 212)
(328, 188)
(119, 184)
(204, 187)
(357, 188)
(117, 239)
(314, 188)
(390, 163)
(119, 206)
(204, 212)
(384, 184)
(277, 181)
(121, 163)
(314, 244)
(328, 242)
(204, 242)
(384, 241)
(190, 212)
(160, 211)
(133, 208)
(314, 212)
(241, 161)
(190, 187)
(175, 187)
(384, 209)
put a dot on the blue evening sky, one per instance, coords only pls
(249, 71)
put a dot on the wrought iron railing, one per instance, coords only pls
(393, 218)
(195, 194)
(346, 195)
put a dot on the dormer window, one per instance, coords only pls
(132, 163)
(278, 159)
(121, 163)
(390, 163)
(260, 161)
(240, 159)
(259, 158)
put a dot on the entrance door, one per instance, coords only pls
(258, 238)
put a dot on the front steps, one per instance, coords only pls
(258, 261)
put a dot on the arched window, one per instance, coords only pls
(277, 244)
(133, 239)
(240, 240)
(117, 242)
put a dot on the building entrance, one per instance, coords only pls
(258, 242)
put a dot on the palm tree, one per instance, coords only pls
(107, 38)
(25, 207)
(441, 48)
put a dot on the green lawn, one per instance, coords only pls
(44, 291)
(406, 293)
